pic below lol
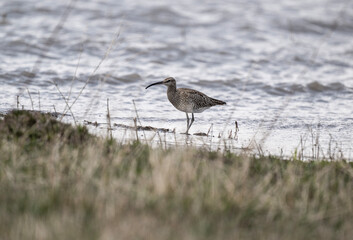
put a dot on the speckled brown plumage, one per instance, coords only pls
(187, 100)
(190, 101)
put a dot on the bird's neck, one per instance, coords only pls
(171, 89)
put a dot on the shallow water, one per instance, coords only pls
(284, 68)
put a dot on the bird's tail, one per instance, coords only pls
(218, 102)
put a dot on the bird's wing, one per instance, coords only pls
(199, 98)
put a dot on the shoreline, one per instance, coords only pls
(57, 180)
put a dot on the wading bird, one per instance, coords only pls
(187, 100)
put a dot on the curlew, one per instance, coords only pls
(187, 100)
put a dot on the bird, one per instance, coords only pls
(187, 100)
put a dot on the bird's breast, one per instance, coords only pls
(181, 103)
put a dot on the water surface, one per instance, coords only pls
(284, 68)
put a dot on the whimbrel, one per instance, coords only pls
(187, 100)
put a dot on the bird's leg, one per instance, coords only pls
(187, 123)
(192, 120)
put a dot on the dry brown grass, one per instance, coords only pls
(92, 188)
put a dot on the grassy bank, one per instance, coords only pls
(60, 182)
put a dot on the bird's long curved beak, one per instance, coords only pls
(154, 84)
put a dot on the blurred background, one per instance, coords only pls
(285, 68)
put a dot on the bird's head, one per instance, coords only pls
(167, 82)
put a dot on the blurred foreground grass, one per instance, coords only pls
(59, 182)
